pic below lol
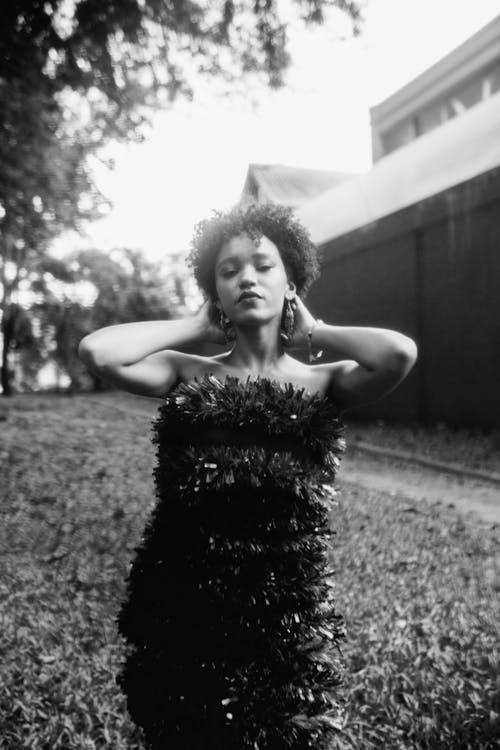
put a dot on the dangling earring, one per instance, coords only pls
(226, 326)
(287, 322)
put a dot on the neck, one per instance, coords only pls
(257, 349)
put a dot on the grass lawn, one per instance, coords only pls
(419, 592)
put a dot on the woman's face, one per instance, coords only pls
(251, 280)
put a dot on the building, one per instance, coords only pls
(414, 244)
(290, 186)
(468, 75)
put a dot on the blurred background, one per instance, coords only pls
(122, 124)
(376, 121)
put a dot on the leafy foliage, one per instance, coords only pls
(75, 74)
(127, 287)
(417, 587)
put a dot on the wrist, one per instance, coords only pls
(314, 352)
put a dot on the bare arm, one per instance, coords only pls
(140, 357)
(376, 361)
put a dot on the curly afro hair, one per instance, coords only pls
(274, 221)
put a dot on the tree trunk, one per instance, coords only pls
(8, 318)
(8, 333)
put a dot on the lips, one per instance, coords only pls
(248, 295)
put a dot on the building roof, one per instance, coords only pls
(459, 150)
(290, 186)
(473, 55)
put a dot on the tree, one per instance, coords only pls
(44, 188)
(17, 328)
(119, 288)
(76, 73)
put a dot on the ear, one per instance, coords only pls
(291, 290)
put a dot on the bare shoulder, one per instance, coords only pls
(350, 384)
(325, 375)
(315, 378)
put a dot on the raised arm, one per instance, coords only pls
(140, 357)
(377, 360)
(373, 360)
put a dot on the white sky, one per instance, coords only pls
(197, 156)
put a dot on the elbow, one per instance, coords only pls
(410, 351)
(84, 350)
(89, 354)
(404, 356)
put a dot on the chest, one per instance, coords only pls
(310, 381)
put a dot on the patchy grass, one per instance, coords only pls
(419, 593)
(420, 596)
(471, 448)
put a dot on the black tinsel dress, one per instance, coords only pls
(229, 620)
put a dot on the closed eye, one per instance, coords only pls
(228, 272)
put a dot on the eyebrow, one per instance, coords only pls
(257, 254)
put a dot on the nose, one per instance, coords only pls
(247, 276)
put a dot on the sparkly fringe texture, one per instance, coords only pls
(231, 631)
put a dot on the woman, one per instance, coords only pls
(231, 630)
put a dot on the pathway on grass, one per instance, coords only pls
(476, 500)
